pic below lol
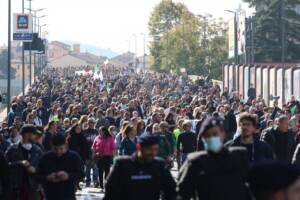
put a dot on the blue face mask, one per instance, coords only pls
(213, 144)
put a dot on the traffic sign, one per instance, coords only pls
(22, 27)
(26, 37)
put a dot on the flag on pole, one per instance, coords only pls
(105, 63)
(96, 68)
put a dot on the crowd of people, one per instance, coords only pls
(126, 131)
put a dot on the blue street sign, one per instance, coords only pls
(23, 37)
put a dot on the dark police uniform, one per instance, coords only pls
(130, 179)
(215, 176)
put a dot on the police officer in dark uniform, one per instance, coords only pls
(141, 176)
(274, 180)
(218, 173)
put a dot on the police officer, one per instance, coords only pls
(274, 180)
(217, 173)
(141, 176)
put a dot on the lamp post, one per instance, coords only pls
(35, 16)
(144, 61)
(8, 56)
(40, 29)
(35, 11)
(283, 45)
(236, 60)
(40, 55)
(23, 59)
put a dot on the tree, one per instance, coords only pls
(184, 40)
(268, 23)
(3, 66)
(165, 16)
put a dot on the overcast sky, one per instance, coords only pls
(105, 23)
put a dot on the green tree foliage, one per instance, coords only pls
(184, 40)
(268, 26)
(3, 66)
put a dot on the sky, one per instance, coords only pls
(106, 23)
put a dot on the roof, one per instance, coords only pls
(68, 60)
(60, 44)
(90, 58)
(123, 59)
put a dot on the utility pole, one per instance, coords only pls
(236, 50)
(8, 56)
(23, 60)
(30, 69)
(283, 44)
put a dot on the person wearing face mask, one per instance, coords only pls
(22, 159)
(218, 173)
(141, 176)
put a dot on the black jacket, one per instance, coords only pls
(259, 150)
(132, 180)
(251, 93)
(71, 163)
(230, 125)
(211, 176)
(269, 136)
(79, 144)
(4, 177)
(47, 141)
(18, 175)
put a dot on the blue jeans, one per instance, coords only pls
(91, 164)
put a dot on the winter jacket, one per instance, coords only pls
(18, 175)
(71, 163)
(215, 176)
(104, 146)
(78, 143)
(272, 136)
(127, 146)
(131, 179)
(257, 152)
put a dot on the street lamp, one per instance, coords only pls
(35, 11)
(40, 28)
(35, 16)
(235, 35)
(38, 25)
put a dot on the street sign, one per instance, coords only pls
(27, 37)
(22, 27)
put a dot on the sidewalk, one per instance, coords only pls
(3, 112)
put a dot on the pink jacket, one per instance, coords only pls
(104, 146)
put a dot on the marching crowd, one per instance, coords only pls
(125, 132)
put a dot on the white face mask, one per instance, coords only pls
(27, 146)
(213, 144)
